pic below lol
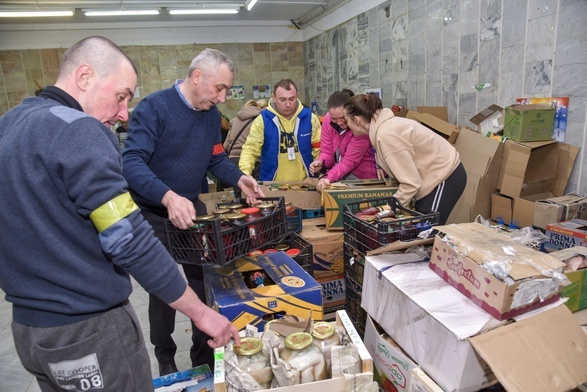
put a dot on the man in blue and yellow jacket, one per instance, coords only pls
(285, 137)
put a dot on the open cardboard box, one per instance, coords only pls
(331, 385)
(303, 198)
(530, 168)
(463, 254)
(576, 292)
(287, 289)
(463, 348)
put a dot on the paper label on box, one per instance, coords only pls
(528, 292)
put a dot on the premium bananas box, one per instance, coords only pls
(256, 290)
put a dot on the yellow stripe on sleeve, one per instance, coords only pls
(112, 211)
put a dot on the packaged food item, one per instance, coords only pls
(266, 208)
(305, 357)
(253, 360)
(220, 212)
(325, 336)
(252, 215)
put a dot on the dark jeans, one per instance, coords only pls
(444, 197)
(162, 316)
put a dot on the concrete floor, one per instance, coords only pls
(14, 378)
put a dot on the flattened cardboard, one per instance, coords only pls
(448, 131)
(543, 353)
(481, 157)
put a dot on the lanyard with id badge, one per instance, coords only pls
(290, 143)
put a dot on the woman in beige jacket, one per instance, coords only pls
(240, 127)
(426, 166)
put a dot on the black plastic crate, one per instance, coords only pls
(355, 311)
(354, 264)
(306, 255)
(294, 221)
(219, 242)
(365, 236)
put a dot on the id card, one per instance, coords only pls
(291, 153)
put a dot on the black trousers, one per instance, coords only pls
(162, 316)
(444, 197)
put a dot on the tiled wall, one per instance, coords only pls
(24, 71)
(432, 52)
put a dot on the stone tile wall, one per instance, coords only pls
(22, 72)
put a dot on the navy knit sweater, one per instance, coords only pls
(170, 146)
(58, 165)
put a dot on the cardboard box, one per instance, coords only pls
(489, 120)
(460, 253)
(448, 131)
(304, 199)
(213, 198)
(536, 167)
(463, 348)
(391, 366)
(333, 292)
(288, 289)
(558, 209)
(336, 197)
(331, 385)
(518, 210)
(421, 382)
(440, 112)
(328, 250)
(525, 123)
(576, 292)
(567, 234)
(481, 157)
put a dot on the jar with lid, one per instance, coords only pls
(235, 242)
(307, 358)
(220, 212)
(281, 247)
(202, 237)
(234, 208)
(252, 215)
(253, 360)
(290, 209)
(266, 208)
(325, 336)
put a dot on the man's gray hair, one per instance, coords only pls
(209, 60)
(99, 52)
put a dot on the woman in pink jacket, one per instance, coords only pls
(342, 154)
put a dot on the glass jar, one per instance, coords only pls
(234, 208)
(220, 212)
(266, 208)
(293, 252)
(203, 240)
(252, 215)
(254, 361)
(281, 247)
(236, 242)
(290, 209)
(307, 358)
(325, 337)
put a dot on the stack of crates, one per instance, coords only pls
(362, 236)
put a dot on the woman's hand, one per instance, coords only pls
(323, 183)
(316, 166)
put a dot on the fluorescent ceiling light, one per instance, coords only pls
(120, 12)
(203, 11)
(250, 4)
(29, 14)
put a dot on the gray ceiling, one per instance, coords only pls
(300, 11)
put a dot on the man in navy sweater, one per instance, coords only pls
(173, 139)
(71, 233)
